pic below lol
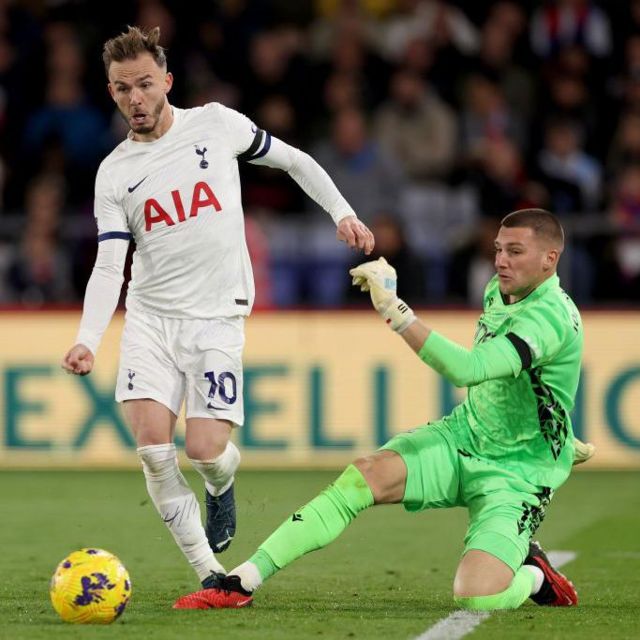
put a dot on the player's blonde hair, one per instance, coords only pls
(130, 44)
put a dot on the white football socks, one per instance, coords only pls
(218, 473)
(538, 577)
(178, 506)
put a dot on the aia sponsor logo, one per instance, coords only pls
(201, 198)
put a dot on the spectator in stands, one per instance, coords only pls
(8, 80)
(436, 21)
(39, 270)
(67, 118)
(625, 216)
(501, 180)
(472, 265)
(418, 128)
(625, 22)
(434, 35)
(368, 177)
(353, 57)
(572, 177)
(510, 17)
(625, 206)
(263, 188)
(625, 146)
(564, 23)
(3, 178)
(565, 96)
(631, 94)
(418, 56)
(350, 19)
(632, 55)
(340, 91)
(486, 117)
(275, 68)
(573, 181)
(496, 59)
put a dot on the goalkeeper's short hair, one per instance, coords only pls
(542, 222)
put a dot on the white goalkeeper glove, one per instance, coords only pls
(584, 451)
(379, 278)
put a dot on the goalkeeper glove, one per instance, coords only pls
(583, 451)
(379, 278)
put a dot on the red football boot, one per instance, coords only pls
(556, 590)
(213, 599)
(229, 594)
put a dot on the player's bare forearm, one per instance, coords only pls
(416, 334)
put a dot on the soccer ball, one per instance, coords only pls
(90, 586)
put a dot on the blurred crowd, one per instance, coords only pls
(435, 118)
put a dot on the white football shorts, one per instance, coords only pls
(170, 360)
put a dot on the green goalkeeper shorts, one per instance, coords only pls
(504, 509)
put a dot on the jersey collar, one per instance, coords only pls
(551, 282)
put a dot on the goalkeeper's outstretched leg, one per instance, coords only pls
(376, 479)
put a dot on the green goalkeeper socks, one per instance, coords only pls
(511, 598)
(317, 524)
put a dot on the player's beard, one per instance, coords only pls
(154, 118)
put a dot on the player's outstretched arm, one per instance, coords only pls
(100, 301)
(317, 184)
(78, 360)
(493, 359)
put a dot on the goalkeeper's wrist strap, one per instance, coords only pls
(399, 315)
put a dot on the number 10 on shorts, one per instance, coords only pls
(224, 386)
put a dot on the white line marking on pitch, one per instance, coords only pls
(459, 623)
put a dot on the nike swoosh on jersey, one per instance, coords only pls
(135, 186)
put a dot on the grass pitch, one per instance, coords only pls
(388, 576)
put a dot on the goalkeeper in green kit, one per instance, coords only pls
(501, 453)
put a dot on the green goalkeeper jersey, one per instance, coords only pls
(522, 374)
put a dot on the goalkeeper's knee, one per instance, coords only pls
(511, 598)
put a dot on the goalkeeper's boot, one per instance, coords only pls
(228, 594)
(556, 589)
(221, 520)
(218, 592)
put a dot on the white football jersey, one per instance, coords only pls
(179, 198)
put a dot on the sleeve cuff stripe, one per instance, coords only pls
(114, 235)
(523, 349)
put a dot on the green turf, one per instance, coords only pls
(389, 576)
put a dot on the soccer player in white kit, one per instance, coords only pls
(173, 187)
